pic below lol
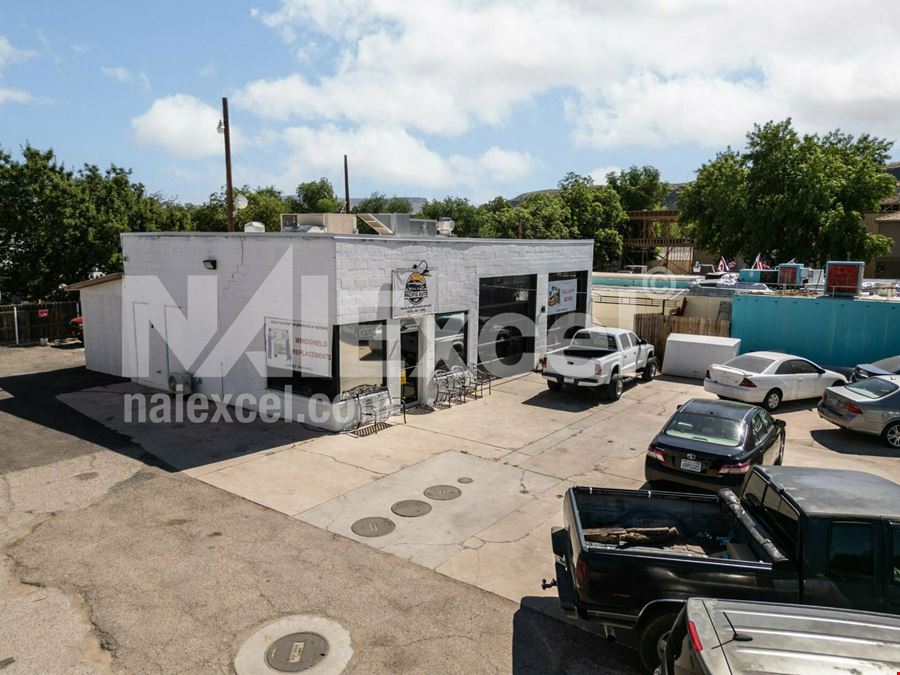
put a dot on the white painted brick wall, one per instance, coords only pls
(356, 286)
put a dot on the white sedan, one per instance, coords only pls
(768, 378)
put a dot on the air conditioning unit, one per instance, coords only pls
(181, 383)
(445, 226)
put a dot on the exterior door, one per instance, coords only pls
(409, 361)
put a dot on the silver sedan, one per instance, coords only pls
(871, 406)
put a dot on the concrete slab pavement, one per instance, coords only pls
(495, 492)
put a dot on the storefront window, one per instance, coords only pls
(362, 352)
(506, 311)
(567, 298)
(450, 340)
(278, 343)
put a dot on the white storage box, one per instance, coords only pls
(690, 355)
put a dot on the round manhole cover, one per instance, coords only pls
(373, 527)
(411, 508)
(442, 492)
(465, 480)
(296, 652)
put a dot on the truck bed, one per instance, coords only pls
(674, 523)
(623, 549)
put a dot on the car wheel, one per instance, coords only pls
(780, 458)
(891, 435)
(615, 388)
(772, 400)
(553, 385)
(838, 383)
(649, 371)
(649, 638)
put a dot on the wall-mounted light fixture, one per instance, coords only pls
(422, 267)
(210, 263)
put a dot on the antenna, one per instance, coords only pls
(735, 636)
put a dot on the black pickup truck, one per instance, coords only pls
(631, 558)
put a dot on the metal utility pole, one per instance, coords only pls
(229, 192)
(346, 187)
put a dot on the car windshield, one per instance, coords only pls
(586, 338)
(891, 364)
(873, 387)
(706, 428)
(752, 364)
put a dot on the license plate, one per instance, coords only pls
(691, 465)
(569, 380)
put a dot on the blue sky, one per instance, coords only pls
(429, 99)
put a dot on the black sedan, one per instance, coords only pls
(711, 444)
(888, 366)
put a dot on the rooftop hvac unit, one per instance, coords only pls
(181, 383)
(445, 227)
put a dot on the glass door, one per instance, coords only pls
(409, 361)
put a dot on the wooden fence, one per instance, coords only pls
(656, 328)
(36, 320)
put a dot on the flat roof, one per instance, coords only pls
(825, 492)
(360, 237)
(93, 282)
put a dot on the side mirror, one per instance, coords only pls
(781, 424)
(642, 341)
(821, 371)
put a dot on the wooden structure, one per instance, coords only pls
(656, 328)
(36, 320)
(657, 233)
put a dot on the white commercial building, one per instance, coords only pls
(301, 314)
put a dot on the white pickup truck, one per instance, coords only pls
(600, 357)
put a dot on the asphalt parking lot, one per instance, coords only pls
(111, 560)
(175, 540)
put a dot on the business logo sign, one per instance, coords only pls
(414, 293)
(562, 296)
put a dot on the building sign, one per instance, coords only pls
(299, 346)
(562, 296)
(843, 278)
(414, 293)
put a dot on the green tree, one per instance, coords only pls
(58, 225)
(466, 216)
(315, 197)
(594, 213)
(264, 205)
(638, 187)
(790, 196)
(211, 215)
(378, 203)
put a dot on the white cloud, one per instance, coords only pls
(119, 73)
(183, 125)
(599, 174)
(10, 54)
(122, 74)
(392, 156)
(653, 73)
(14, 95)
